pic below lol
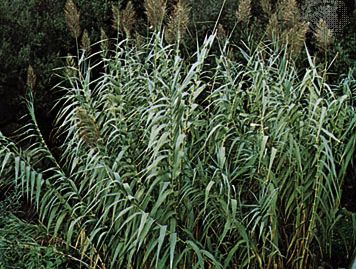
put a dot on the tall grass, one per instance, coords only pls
(171, 164)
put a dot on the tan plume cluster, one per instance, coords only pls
(85, 43)
(155, 11)
(243, 13)
(72, 16)
(286, 26)
(324, 36)
(178, 23)
(88, 129)
(31, 77)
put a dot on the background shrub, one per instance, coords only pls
(36, 33)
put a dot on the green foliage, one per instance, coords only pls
(345, 51)
(23, 243)
(171, 164)
(20, 247)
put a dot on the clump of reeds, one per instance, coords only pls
(178, 23)
(144, 161)
(72, 16)
(155, 11)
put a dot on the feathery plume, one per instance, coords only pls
(31, 77)
(155, 11)
(139, 40)
(128, 19)
(324, 36)
(221, 33)
(243, 13)
(70, 70)
(296, 37)
(104, 42)
(85, 43)
(88, 129)
(72, 16)
(178, 23)
(272, 27)
(116, 17)
(288, 12)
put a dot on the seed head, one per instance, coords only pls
(72, 16)
(128, 19)
(116, 17)
(323, 35)
(70, 70)
(31, 77)
(221, 33)
(272, 27)
(296, 37)
(139, 40)
(266, 6)
(288, 12)
(85, 44)
(155, 11)
(178, 23)
(87, 127)
(104, 42)
(243, 13)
